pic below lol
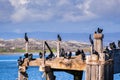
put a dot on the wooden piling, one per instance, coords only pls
(58, 49)
(43, 64)
(22, 75)
(49, 73)
(98, 42)
(98, 68)
(26, 47)
(78, 75)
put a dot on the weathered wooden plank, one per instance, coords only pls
(93, 72)
(111, 71)
(97, 72)
(88, 72)
(61, 63)
(101, 72)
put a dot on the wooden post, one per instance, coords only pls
(22, 75)
(26, 47)
(92, 68)
(78, 75)
(101, 72)
(91, 49)
(43, 53)
(58, 48)
(49, 73)
(98, 45)
(98, 42)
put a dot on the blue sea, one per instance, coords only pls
(9, 70)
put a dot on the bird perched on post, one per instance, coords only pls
(59, 38)
(91, 40)
(99, 30)
(26, 38)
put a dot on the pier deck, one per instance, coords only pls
(59, 63)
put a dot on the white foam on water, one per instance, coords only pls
(7, 60)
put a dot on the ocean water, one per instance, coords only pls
(9, 70)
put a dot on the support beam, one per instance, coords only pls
(98, 45)
(48, 47)
(49, 73)
(78, 75)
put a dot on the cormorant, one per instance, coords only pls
(30, 56)
(78, 52)
(106, 50)
(69, 55)
(99, 30)
(83, 54)
(62, 52)
(95, 32)
(20, 61)
(26, 37)
(112, 45)
(59, 38)
(26, 55)
(40, 55)
(91, 40)
(119, 43)
(95, 52)
(51, 55)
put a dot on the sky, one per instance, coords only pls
(65, 16)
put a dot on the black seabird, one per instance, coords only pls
(106, 50)
(26, 37)
(78, 52)
(112, 45)
(59, 38)
(95, 52)
(83, 54)
(95, 32)
(40, 55)
(91, 40)
(99, 30)
(51, 55)
(26, 55)
(30, 56)
(20, 61)
(69, 55)
(62, 52)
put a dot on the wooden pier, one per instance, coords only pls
(96, 66)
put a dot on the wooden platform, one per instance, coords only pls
(75, 63)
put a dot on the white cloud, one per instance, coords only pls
(26, 10)
(66, 10)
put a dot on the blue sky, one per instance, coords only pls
(70, 16)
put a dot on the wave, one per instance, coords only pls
(7, 60)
